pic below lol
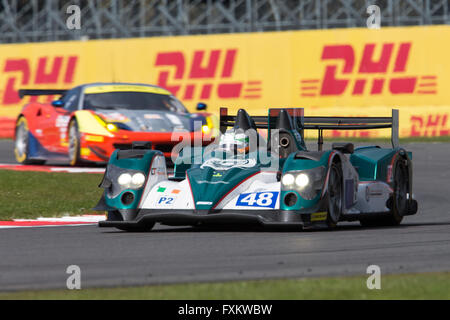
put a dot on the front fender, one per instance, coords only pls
(151, 163)
(306, 160)
(90, 123)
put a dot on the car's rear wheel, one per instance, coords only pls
(74, 144)
(335, 195)
(21, 143)
(399, 199)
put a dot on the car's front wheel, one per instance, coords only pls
(74, 144)
(21, 143)
(335, 195)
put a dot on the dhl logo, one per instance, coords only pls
(48, 72)
(209, 74)
(428, 125)
(368, 75)
(431, 125)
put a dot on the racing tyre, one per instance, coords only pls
(21, 145)
(335, 195)
(399, 200)
(74, 144)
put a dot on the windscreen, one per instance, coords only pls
(132, 101)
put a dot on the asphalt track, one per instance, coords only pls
(37, 258)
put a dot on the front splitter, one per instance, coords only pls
(191, 217)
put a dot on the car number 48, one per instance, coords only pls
(258, 199)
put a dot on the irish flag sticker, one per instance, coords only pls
(161, 189)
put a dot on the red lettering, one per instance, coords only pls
(433, 124)
(189, 92)
(402, 57)
(229, 90)
(402, 85)
(70, 69)
(344, 52)
(359, 86)
(206, 91)
(51, 77)
(229, 63)
(377, 86)
(11, 95)
(209, 71)
(170, 59)
(368, 65)
(417, 124)
(331, 85)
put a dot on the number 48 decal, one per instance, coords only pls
(258, 199)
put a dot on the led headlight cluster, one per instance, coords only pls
(134, 181)
(305, 182)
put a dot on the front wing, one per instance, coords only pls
(181, 217)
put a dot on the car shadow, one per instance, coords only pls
(279, 229)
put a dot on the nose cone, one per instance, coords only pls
(209, 186)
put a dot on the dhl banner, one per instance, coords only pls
(341, 72)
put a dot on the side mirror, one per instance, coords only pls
(201, 106)
(58, 104)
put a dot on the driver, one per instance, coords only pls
(234, 142)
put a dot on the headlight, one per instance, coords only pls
(112, 127)
(134, 181)
(138, 180)
(288, 179)
(302, 180)
(306, 182)
(206, 129)
(124, 179)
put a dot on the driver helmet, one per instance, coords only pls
(234, 142)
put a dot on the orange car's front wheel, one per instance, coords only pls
(74, 144)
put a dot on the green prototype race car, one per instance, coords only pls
(242, 178)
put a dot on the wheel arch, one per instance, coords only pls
(21, 115)
(335, 157)
(404, 155)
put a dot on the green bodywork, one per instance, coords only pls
(139, 164)
(220, 183)
(372, 162)
(210, 185)
(293, 164)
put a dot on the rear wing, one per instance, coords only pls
(354, 123)
(40, 92)
(321, 123)
(262, 122)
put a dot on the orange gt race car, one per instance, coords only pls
(88, 122)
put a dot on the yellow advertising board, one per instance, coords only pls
(341, 72)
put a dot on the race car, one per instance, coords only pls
(88, 122)
(241, 178)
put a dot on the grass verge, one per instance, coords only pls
(36, 194)
(405, 286)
